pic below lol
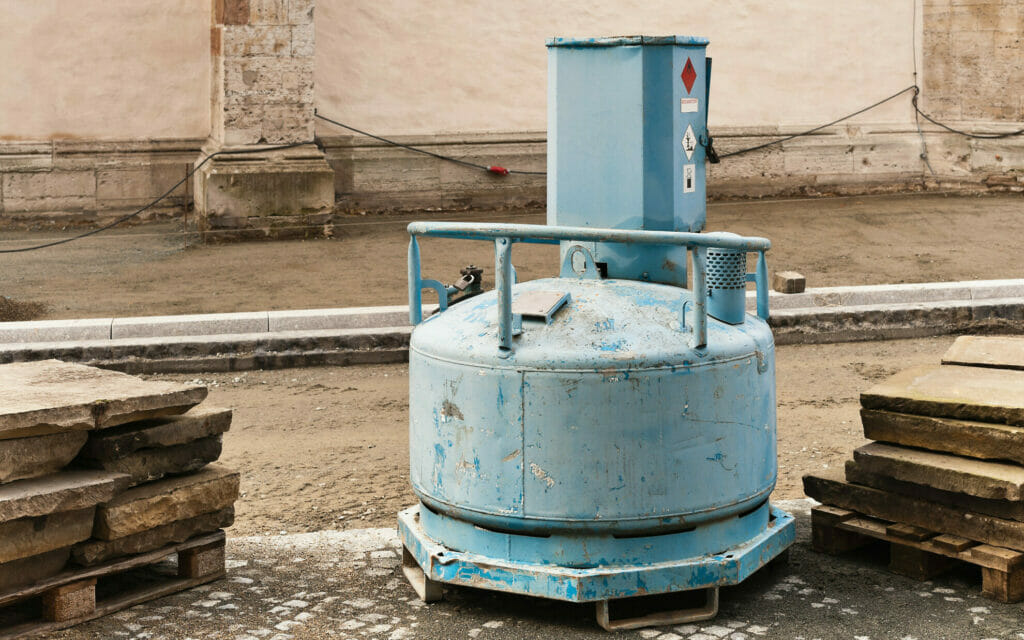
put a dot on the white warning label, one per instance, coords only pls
(689, 142)
(689, 105)
(689, 178)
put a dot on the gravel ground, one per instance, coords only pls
(146, 270)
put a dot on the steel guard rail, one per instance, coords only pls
(504, 235)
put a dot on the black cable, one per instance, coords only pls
(977, 136)
(816, 129)
(189, 174)
(153, 203)
(464, 163)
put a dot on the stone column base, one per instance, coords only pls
(272, 194)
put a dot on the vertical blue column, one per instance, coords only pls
(625, 117)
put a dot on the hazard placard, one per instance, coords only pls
(689, 142)
(689, 178)
(689, 75)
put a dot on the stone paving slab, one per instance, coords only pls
(984, 440)
(165, 501)
(147, 465)
(966, 393)
(51, 396)
(856, 474)
(200, 422)
(64, 491)
(349, 585)
(25, 571)
(22, 458)
(93, 552)
(26, 537)
(999, 352)
(955, 474)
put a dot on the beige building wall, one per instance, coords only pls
(471, 66)
(104, 69)
(107, 103)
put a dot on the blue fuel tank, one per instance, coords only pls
(608, 433)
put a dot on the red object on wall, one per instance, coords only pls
(689, 75)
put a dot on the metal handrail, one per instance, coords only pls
(504, 235)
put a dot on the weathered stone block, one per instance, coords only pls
(303, 39)
(48, 191)
(93, 552)
(245, 40)
(166, 501)
(300, 11)
(231, 11)
(896, 508)
(968, 393)
(26, 537)
(26, 571)
(22, 458)
(262, 12)
(134, 184)
(999, 352)
(146, 465)
(276, 187)
(65, 491)
(984, 440)
(116, 442)
(789, 282)
(50, 396)
(49, 184)
(955, 474)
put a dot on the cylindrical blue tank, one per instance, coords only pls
(610, 432)
(602, 423)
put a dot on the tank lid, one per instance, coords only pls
(629, 41)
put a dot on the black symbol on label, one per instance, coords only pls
(689, 182)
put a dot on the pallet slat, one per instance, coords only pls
(71, 597)
(1002, 569)
(114, 566)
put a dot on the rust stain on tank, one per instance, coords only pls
(450, 410)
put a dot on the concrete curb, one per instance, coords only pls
(364, 335)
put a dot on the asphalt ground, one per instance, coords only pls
(348, 584)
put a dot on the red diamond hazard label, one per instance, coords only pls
(689, 75)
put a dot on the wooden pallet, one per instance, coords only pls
(919, 553)
(72, 597)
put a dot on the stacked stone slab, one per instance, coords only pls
(948, 455)
(95, 464)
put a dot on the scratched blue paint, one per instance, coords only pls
(628, 446)
(474, 569)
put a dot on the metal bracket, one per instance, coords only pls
(579, 263)
(678, 616)
(428, 590)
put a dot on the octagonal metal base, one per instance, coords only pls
(429, 562)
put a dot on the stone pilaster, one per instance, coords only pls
(262, 96)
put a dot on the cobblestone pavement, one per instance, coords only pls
(349, 585)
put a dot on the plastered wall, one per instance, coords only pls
(458, 66)
(104, 69)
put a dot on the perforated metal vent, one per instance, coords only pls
(726, 269)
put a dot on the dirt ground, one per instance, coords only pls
(833, 241)
(327, 448)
